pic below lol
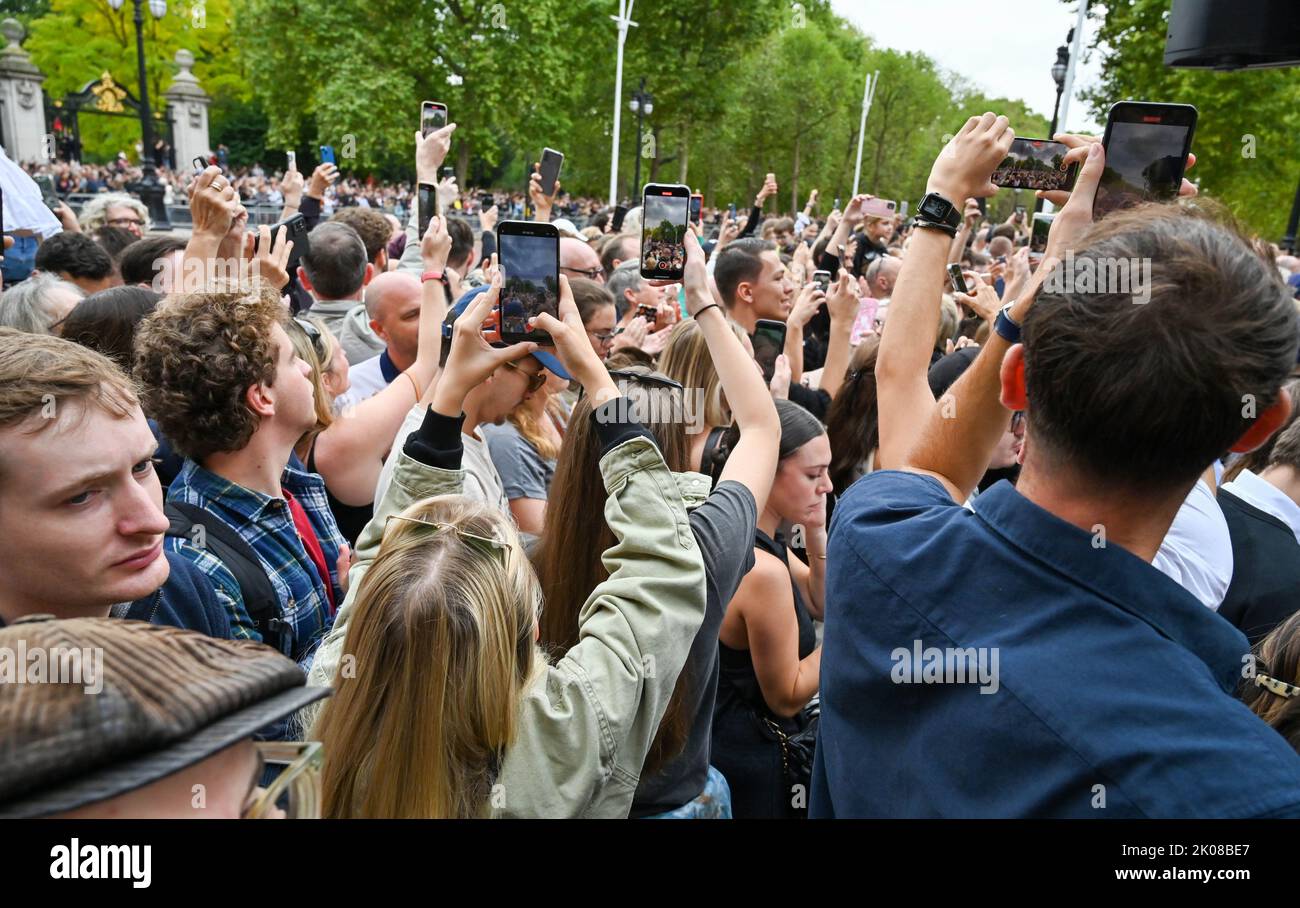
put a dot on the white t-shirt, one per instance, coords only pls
(365, 380)
(1197, 551)
(482, 482)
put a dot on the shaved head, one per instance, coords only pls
(578, 256)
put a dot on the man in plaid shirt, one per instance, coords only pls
(222, 380)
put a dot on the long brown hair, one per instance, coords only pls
(853, 422)
(438, 656)
(568, 557)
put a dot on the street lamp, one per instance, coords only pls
(1059, 70)
(642, 105)
(149, 189)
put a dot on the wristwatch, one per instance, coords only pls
(937, 212)
(1007, 329)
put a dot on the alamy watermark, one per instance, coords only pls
(657, 405)
(951, 665)
(55, 665)
(1101, 274)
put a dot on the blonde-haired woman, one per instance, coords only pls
(114, 209)
(348, 449)
(444, 706)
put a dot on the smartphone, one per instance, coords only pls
(433, 117)
(665, 210)
(697, 207)
(200, 165)
(836, 207)
(956, 279)
(1020, 211)
(1036, 164)
(879, 208)
(822, 279)
(620, 212)
(427, 202)
(293, 159)
(327, 155)
(296, 233)
(1038, 231)
(649, 313)
(446, 173)
(732, 209)
(486, 201)
(550, 170)
(48, 195)
(529, 256)
(902, 209)
(1146, 153)
(769, 343)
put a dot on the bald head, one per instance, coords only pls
(576, 257)
(393, 304)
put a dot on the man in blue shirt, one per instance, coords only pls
(1024, 659)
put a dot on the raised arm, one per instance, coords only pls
(753, 461)
(961, 171)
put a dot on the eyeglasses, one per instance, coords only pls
(606, 337)
(593, 274)
(493, 548)
(298, 783)
(535, 379)
(316, 338)
(124, 222)
(1017, 420)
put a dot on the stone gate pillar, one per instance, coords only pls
(22, 106)
(188, 103)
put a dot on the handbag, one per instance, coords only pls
(797, 750)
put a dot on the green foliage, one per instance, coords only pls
(1245, 134)
(78, 41)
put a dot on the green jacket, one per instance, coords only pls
(590, 718)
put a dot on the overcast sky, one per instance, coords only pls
(1000, 48)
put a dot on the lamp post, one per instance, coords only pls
(1059, 69)
(149, 189)
(642, 105)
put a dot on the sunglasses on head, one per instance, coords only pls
(643, 378)
(493, 548)
(317, 339)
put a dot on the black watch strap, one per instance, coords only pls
(935, 225)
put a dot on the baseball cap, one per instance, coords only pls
(161, 699)
(567, 228)
(549, 360)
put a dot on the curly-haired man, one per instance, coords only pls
(220, 376)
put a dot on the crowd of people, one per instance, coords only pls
(1022, 548)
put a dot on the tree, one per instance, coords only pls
(79, 40)
(1245, 134)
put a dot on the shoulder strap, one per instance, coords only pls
(228, 547)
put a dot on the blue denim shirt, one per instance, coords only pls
(1114, 688)
(267, 526)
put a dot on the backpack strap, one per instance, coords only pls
(227, 546)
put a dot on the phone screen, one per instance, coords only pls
(433, 117)
(293, 160)
(769, 343)
(327, 154)
(1144, 160)
(1036, 164)
(663, 229)
(551, 161)
(957, 280)
(822, 279)
(48, 195)
(428, 206)
(1038, 232)
(530, 266)
(697, 208)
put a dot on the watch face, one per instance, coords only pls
(936, 208)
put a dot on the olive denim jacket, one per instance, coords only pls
(589, 719)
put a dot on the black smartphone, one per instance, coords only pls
(486, 201)
(620, 212)
(447, 172)
(664, 213)
(1036, 164)
(649, 313)
(1146, 153)
(550, 170)
(48, 195)
(956, 279)
(327, 155)
(822, 279)
(529, 256)
(427, 202)
(296, 233)
(769, 343)
(1038, 231)
(433, 117)
(697, 207)
(200, 165)
(732, 209)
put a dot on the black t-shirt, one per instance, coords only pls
(724, 527)
(815, 401)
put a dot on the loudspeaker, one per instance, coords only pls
(1233, 34)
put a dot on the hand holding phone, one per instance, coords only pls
(956, 279)
(664, 214)
(327, 155)
(769, 342)
(549, 168)
(433, 117)
(1148, 146)
(529, 257)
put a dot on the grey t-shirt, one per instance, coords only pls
(724, 527)
(524, 472)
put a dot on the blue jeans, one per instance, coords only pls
(19, 260)
(714, 803)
